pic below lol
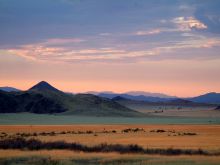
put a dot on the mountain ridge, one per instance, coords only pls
(211, 97)
(132, 93)
(44, 98)
(9, 89)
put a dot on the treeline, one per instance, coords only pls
(34, 144)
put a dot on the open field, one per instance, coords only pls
(205, 137)
(174, 136)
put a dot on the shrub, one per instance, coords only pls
(33, 144)
(132, 130)
(34, 134)
(89, 132)
(63, 132)
(158, 131)
(189, 133)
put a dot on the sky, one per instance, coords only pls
(165, 46)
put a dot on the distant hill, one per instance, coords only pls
(44, 98)
(213, 98)
(119, 98)
(107, 95)
(209, 98)
(87, 104)
(180, 101)
(9, 89)
(136, 95)
(144, 105)
(137, 98)
(131, 93)
(148, 94)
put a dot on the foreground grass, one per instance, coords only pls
(157, 136)
(149, 136)
(96, 161)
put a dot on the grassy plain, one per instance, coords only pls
(57, 157)
(206, 137)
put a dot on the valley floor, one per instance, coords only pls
(168, 117)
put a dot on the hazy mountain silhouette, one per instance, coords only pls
(9, 89)
(111, 94)
(180, 101)
(148, 94)
(212, 97)
(120, 98)
(137, 98)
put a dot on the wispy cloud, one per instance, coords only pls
(104, 34)
(180, 24)
(61, 54)
(36, 52)
(56, 41)
(148, 32)
(65, 49)
(188, 23)
(67, 54)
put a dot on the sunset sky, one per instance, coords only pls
(166, 46)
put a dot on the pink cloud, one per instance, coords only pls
(188, 23)
(63, 41)
(148, 32)
(46, 52)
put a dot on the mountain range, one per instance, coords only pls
(44, 98)
(209, 98)
(133, 93)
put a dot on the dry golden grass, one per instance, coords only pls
(207, 138)
(61, 155)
